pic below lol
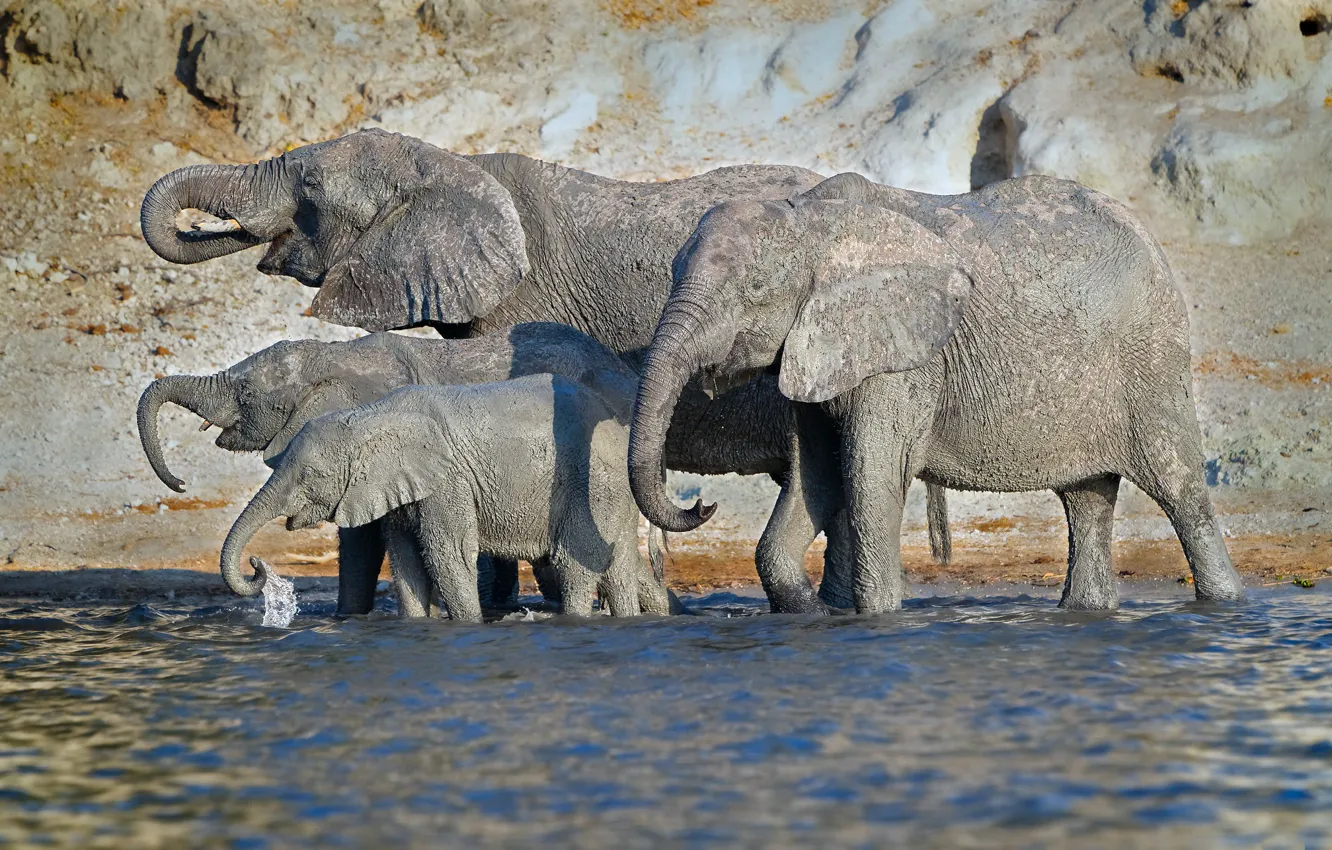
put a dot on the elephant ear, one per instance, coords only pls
(392, 466)
(887, 296)
(446, 247)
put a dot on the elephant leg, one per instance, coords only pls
(619, 586)
(411, 582)
(839, 561)
(1171, 473)
(501, 588)
(881, 453)
(578, 585)
(1090, 508)
(807, 503)
(448, 541)
(360, 557)
(548, 580)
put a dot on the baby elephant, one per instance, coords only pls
(261, 402)
(532, 468)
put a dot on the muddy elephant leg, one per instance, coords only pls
(411, 582)
(619, 585)
(1090, 509)
(360, 558)
(882, 451)
(448, 540)
(578, 586)
(839, 561)
(806, 504)
(547, 580)
(501, 588)
(1171, 472)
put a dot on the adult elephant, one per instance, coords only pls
(397, 233)
(1028, 336)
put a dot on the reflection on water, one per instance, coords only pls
(962, 722)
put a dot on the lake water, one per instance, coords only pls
(963, 721)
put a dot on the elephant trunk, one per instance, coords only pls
(210, 397)
(243, 192)
(263, 508)
(681, 344)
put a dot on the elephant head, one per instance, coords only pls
(350, 467)
(828, 292)
(263, 401)
(393, 231)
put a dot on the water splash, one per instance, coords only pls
(279, 601)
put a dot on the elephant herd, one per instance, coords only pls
(841, 336)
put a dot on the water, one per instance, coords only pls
(996, 722)
(280, 606)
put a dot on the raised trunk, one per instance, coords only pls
(263, 508)
(227, 191)
(209, 397)
(675, 355)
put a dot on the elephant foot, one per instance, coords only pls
(1085, 604)
(799, 603)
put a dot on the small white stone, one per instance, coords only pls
(30, 138)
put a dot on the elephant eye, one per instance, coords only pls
(311, 176)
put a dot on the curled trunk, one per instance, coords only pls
(209, 397)
(672, 360)
(263, 508)
(226, 191)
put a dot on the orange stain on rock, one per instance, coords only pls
(634, 14)
(1276, 373)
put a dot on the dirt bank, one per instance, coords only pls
(1219, 142)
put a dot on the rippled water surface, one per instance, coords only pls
(959, 722)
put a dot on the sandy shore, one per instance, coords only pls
(1262, 559)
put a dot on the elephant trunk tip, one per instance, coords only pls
(261, 573)
(682, 520)
(702, 512)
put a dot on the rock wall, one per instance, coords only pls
(1213, 118)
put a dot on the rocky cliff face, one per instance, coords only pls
(1211, 117)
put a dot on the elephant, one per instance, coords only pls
(261, 402)
(534, 468)
(397, 233)
(1025, 336)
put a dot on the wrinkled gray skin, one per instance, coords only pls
(263, 401)
(397, 233)
(1026, 336)
(531, 468)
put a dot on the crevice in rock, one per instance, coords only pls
(996, 147)
(6, 24)
(1170, 72)
(1315, 24)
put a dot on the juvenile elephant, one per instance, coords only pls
(397, 233)
(531, 468)
(261, 402)
(1027, 336)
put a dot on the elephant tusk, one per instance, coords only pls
(198, 221)
(206, 425)
(228, 226)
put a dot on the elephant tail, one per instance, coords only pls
(936, 516)
(658, 549)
